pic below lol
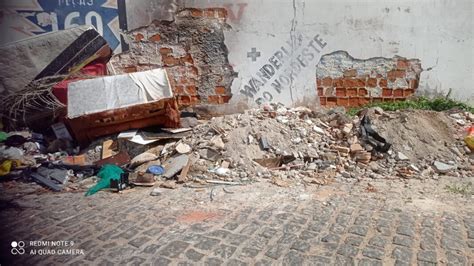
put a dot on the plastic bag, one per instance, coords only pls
(107, 172)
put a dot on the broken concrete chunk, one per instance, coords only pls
(175, 165)
(341, 149)
(443, 168)
(183, 148)
(143, 158)
(209, 154)
(402, 157)
(356, 148)
(319, 130)
(217, 142)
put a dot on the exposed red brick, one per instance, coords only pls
(363, 92)
(383, 83)
(165, 51)
(192, 70)
(338, 82)
(184, 100)
(196, 12)
(364, 101)
(191, 90)
(323, 100)
(414, 84)
(327, 82)
(155, 38)
(371, 82)
(350, 73)
(139, 37)
(221, 13)
(331, 101)
(343, 101)
(320, 91)
(214, 99)
(351, 92)
(386, 92)
(187, 59)
(220, 90)
(195, 99)
(354, 102)
(318, 83)
(394, 74)
(210, 13)
(402, 64)
(226, 98)
(377, 100)
(398, 93)
(179, 90)
(408, 92)
(341, 92)
(130, 69)
(170, 61)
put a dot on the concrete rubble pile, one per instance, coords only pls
(278, 145)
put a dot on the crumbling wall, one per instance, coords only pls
(345, 81)
(191, 49)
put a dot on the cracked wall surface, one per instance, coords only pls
(192, 50)
(346, 81)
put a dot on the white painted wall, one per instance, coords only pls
(438, 32)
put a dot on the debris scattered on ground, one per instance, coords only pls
(278, 145)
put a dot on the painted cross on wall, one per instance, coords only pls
(253, 54)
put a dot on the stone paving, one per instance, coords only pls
(396, 223)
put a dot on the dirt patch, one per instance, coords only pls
(419, 134)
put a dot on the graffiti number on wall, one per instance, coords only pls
(90, 18)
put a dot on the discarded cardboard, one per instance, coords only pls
(121, 158)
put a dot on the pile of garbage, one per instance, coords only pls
(281, 145)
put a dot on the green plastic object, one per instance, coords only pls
(107, 172)
(3, 136)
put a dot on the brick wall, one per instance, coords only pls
(191, 49)
(345, 81)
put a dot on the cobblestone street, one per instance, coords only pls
(389, 222)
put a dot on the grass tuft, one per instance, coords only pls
(421, 103)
